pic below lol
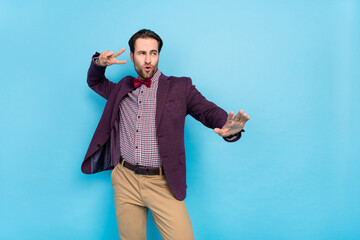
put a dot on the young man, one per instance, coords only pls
(141, 137)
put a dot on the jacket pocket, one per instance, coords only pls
(182, 158)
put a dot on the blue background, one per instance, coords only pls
(294, 66)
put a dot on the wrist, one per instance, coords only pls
(97, 62)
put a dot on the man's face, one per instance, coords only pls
(145, 57)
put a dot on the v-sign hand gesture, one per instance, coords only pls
(107, 58)
(233, 126)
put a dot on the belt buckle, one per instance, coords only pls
(138, 167)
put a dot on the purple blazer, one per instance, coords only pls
(176, 97)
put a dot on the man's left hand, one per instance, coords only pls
(233, 125)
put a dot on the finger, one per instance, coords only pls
(105, 53)
(109, 61)
(238, 115)
(119, 52)
(230, 117)
(109, 54)
(245, 118)
(119, 62)
(222, 133)
(218, 131)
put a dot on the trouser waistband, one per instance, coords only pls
(142, 170)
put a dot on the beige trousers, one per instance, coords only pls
(134, 194)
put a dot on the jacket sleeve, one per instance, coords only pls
(208, 113)
(97, 81)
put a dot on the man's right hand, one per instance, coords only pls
(107, 58)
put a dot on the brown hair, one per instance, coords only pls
(145, 33)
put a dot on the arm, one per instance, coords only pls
(208, 113)
(214, 117)
(96, 74)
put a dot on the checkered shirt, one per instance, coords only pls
(137, 125)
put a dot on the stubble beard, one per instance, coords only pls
(143, 74)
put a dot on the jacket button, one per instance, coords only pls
(98, 145)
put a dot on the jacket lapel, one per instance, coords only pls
(127, 87)
(162, 92)
(122, 90)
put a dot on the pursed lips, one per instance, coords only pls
(147, 68)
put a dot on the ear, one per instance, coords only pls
(132, 56)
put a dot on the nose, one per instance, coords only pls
(147, 59)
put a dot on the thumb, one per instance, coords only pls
(217, 130)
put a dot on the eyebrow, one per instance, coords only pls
(142, 51)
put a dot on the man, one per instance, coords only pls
(141, 136)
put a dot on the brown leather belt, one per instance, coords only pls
(142, 170)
